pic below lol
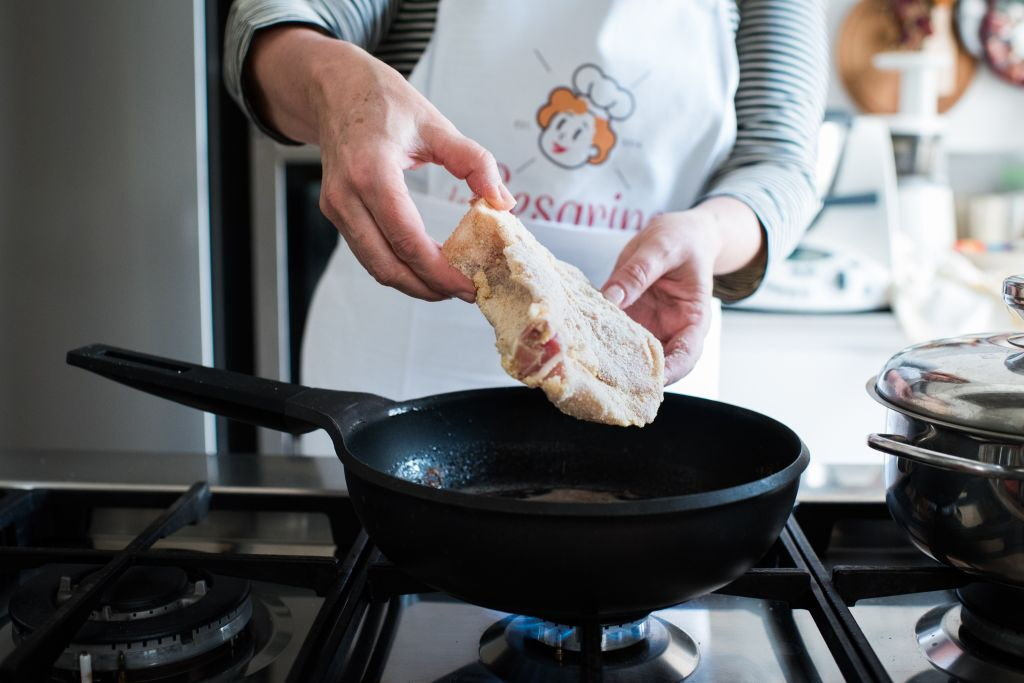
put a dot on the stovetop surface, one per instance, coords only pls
(740, 639)
(292, 508)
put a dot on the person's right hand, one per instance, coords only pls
(370, 125)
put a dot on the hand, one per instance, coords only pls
(663, 278)
(371, 125)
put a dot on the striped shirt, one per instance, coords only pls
(781, 47)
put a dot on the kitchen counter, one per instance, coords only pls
(154, 471)
(291, 475)
(809, 372)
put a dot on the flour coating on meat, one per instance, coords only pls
(553, 329)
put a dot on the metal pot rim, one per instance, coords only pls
(984, 434)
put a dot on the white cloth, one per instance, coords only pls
(602, 115)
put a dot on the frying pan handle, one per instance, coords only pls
(263, 402)
(894, 444)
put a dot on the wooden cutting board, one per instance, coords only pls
(868, 29)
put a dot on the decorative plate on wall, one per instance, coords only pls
(1002, 35)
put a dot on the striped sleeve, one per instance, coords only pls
(407, 38)
(782, 50)
(363, 22)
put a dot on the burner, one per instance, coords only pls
(560, 636)
(529, 649)
(153, 619)
(979, 639)
(951, 638)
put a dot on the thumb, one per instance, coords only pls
(469, 161)
(648, 261)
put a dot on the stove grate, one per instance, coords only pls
(32, 660)
(369, 605)
(363, 593)
(34, 657)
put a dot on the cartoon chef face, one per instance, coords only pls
(576, 124)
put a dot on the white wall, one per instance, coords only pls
(985, 119)
(99, 219)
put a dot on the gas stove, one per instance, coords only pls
(146, 567)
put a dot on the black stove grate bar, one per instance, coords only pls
(316, 573)
(788, 584)
(385, 639)
(329, 619)
(590, 652)
(839, 644)
(781, 627)
(369, 632)
(854, 655)
(345, 668)
(31, 661)
(854, 583)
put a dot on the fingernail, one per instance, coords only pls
(615, 294)
(467, 297)
(509, 199)
(500, 198)
(494, 198)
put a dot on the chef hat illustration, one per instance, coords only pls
(605, 98)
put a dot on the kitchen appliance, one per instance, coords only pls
(497, 498)
(842, 262)
(927, 214)
(837, 597)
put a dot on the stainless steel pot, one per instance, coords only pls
(955, 475)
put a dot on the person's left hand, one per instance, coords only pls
(663, 280)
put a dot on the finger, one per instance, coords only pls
(616, 294)
(469, 161)
(370, 248)
(627, 251)
(649, 259)
(684, 350)
(398, 219)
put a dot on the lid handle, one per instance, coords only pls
(1013, 293)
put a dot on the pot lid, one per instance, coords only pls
(975, 381)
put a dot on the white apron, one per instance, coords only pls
(601, 114)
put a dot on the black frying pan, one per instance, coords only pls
(456, 488)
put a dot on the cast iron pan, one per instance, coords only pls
(457, 489)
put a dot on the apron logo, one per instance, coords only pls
(576, 123)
